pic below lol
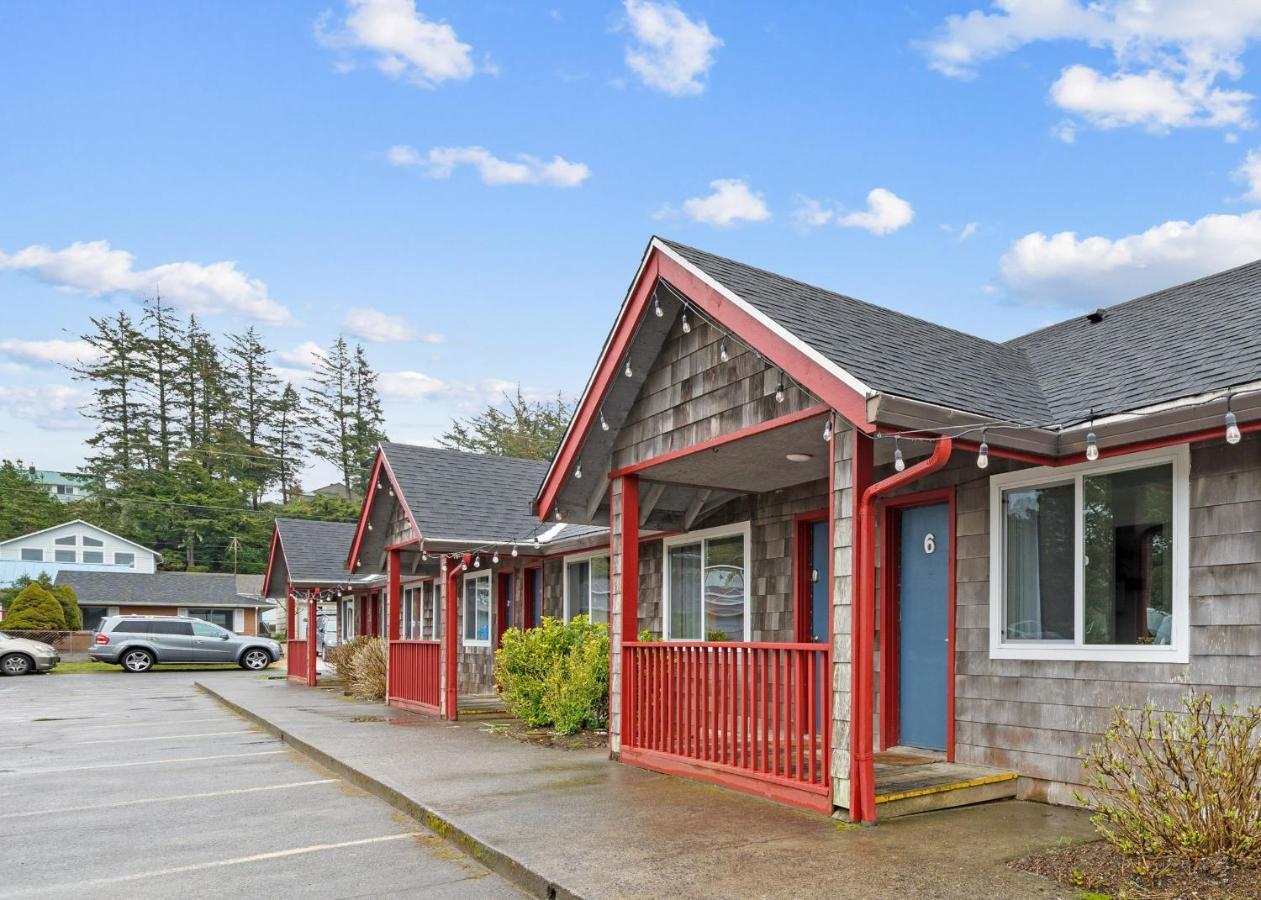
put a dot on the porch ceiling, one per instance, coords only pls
(753, 464)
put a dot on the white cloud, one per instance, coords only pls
(404, 44)
(1249, 172)
(374, 325)
(1065, 131)
(730, 202)
(49, 353)
(94, 268)
(440, 162)
(1169, 56)
(671, 53)
(967, 231)
(810, 214)
(1065, 270)
(409, 385)
(304, 355)
(51, 407)
(886, 212)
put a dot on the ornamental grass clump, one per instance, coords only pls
(557, 674)
(1179, 787)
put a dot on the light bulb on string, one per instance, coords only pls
(495, 558)
(779, 389)
(560, 517)
(656, 307)
(722, 351)
(477, 561)
(899, 464)
(514, 551)
(983, 453)
(1233, 434)
(687, 325)
(578, 472)
(604, 423)
(827, 429)
(1092, 447)
(628, 371)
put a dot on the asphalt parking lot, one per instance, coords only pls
(139, 785)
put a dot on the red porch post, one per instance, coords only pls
(312, 671)
(628, 551)
(395, 595)
(450, 645)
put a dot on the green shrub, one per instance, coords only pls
(35, 609)
(557, 674)
(367, 678)
(69, 601)
(1179, 786)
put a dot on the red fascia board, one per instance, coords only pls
(776, 349)
(729, 438)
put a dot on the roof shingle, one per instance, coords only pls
(156, 589)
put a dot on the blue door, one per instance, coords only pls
(819, 595)
(923, 605)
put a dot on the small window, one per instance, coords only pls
(92, 542)
(31, 554)
(66, 556)
(93, 556)
(134, 626)
(220, 617)
(1092, 560)
(477, 609)
(92, 616)
(206, 630)
(162, 626)
(125, 559)
(706, 586)
(587, 588)
(67, 541)
(431, 616)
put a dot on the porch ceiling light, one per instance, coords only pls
(799, 457)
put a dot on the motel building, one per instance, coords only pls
(887, 566)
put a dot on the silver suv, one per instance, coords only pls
(137, 643)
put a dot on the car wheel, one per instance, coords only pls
(16, 664)
(255, 659)
(137, 661)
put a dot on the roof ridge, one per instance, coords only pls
(463, 453)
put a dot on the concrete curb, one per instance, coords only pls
(491, 857)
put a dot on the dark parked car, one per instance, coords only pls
(137, 643)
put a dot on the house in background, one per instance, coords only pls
(63, 486)
(464, 560)
(80, 542)
(306, 571)
(902, 567)
(203, 595)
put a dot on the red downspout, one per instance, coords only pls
(862, 777)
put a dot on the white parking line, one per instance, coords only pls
(78, 725)
(160, 737)
(218, 863)
(148, 762)
(141, 802)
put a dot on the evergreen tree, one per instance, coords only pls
(257, 394)
(332, 406)
(117, 378)
(369, 422)
(525, 429)
(161, 359)
(25, 504)
(286, 442)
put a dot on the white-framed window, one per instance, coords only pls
(348, 619)
(93, 556)
(1091, 561)
(67, 541)
(476, 599)
(705, 590)
(587, 586)
(419, 613)
(92, 542)
(32, 554)
(66, 556)
(125, 559)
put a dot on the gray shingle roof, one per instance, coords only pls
(462, 496)
(156, 589)
(316, 551)
(1185, 340)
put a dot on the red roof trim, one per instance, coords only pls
(368, 497)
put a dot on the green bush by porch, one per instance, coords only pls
(557, 674)
(35, 609)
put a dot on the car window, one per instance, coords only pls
(173, 627)
(205, 629)
(134, 626)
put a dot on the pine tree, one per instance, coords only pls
(332, 405)
(369, 422)
(527, 430)
(257, 394)
(161, 354)
(286, 442)
(117, 376)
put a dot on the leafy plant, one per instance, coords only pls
(557, 674)
(1179, 786)
(367, 678)
(35, 609)
(69, 601)
(646, 637)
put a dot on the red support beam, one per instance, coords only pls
(450, 640)
(312, 670)
(395, 601)
(629, 552)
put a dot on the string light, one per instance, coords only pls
(1233, 434)
(559, 515)
(779, 389)
(578, 471)
(628, 371)
(983, 452)
(1092, 443)
(656, 306)
(477, 561)
(899, 464)
(514, 551)
(495, 558)
(722, 351)
(369, 526)
(687, 326)
(827, 429)
(604, 423)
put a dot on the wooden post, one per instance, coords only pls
(450, 642)
(630, 558)
(312, 671)
(395, 601)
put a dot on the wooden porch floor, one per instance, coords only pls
(910, 783)
(482, 706)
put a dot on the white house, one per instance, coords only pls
(82, 543)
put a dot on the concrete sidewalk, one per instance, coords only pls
(572, 823)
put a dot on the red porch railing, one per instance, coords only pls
(415, 675)
(296, 660)
(754, 716)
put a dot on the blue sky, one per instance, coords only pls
(488, 173)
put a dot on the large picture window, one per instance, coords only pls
(1091, 561)
(477, 609)
(587, 587)
(707, 586)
